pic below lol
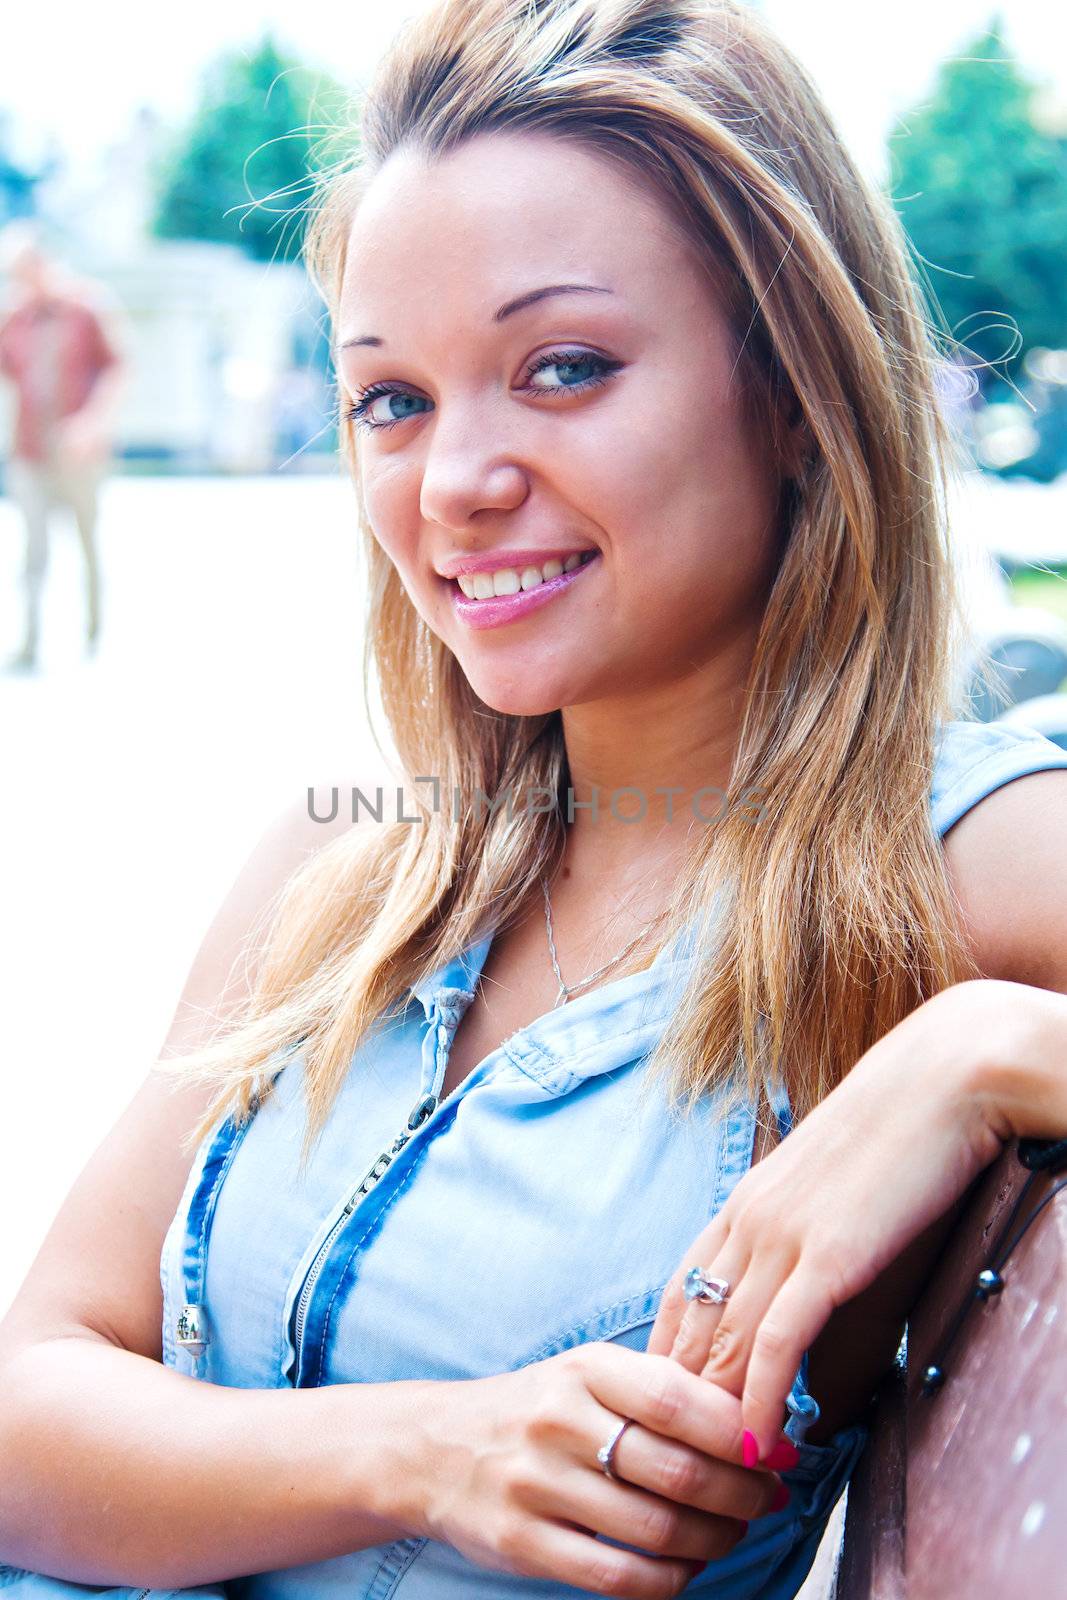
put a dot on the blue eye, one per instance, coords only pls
(598, 370)
(572, 361)
(360, 413)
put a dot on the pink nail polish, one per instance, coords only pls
(784, 1456)
(749, 1448)
(781, 1498)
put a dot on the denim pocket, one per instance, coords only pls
(625, 1321)
(819, 1477)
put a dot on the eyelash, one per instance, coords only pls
(357, 412)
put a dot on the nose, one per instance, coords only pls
(468, 469)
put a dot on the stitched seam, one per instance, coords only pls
(574, 1060)
(520, 1064)
(209, 1207)
(578, 1327)
(962, 781)
(405, 1569)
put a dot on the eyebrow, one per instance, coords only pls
(520, 303)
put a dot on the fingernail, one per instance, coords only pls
(781, 1497)
(784, 1455)
(749, 1448)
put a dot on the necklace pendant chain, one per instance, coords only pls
(567, 990)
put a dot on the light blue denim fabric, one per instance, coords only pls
(539, 1206)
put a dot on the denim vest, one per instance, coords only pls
(539, 1205)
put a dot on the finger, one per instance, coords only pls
(621, 1510)
(668, 1318)
(673, 1304)
(701, 1320)
(662, 1396)
(678, 1473)
(570, 1555)
(791, 1324)
(729, 1348)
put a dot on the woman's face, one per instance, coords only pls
(507, 421)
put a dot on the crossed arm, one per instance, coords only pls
(830, 1238)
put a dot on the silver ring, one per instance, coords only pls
(700, 1285)
(606, 1451)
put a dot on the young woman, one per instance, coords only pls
(639, 405)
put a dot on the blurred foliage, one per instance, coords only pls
(239, 173)
(17, 182)
(1046, 588)
(981, 189)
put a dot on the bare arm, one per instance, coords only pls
(118, 1470)
(1013, 905)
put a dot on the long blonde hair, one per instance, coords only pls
(820, 928)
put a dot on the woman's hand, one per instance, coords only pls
(505, 1470)
(885, 1154)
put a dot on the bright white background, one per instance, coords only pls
(869, 65)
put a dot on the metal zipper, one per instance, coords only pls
(424, 1109)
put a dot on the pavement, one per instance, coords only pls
(227, 679)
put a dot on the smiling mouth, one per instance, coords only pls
(517, 580)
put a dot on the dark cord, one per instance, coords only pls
(1037, 1155)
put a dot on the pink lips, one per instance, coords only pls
(508, 607)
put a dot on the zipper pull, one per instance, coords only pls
(424, 1108)
(191, 1329)
(421, 1112)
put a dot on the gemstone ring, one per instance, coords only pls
(700, 1285)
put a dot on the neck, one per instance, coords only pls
(674, 745)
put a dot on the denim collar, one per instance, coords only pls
(453, 985)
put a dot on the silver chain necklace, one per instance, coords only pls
(566, 990)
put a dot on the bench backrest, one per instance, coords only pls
(962, 1495)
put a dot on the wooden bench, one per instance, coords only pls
(961, 1493)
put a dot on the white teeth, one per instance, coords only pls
(486, 585)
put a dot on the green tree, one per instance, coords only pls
(239, 172)
(981, 190)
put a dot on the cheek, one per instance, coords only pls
(390, 495)
(672, 487)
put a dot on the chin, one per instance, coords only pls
(514, 701)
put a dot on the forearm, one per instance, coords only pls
(1020, 1078)
(1012, 1064)
(117, 1470)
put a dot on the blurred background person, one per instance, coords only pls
(59, 349)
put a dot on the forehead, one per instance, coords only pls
(501, 211)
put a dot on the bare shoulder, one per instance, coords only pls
(1007, 861)
(97, 1273)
